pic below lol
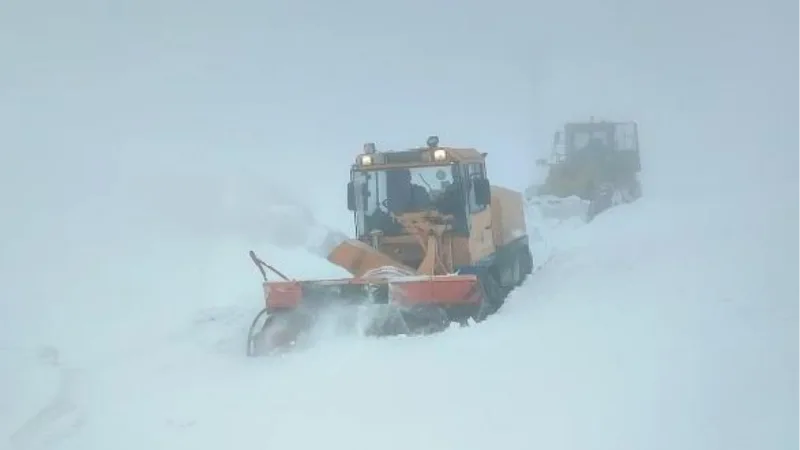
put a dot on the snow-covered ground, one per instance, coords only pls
(142, 147)
(658, 326)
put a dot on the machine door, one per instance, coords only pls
(481, 237)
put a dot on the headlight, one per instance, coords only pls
(439, 155)
(366, 160)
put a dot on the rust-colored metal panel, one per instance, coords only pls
(282, 294)
(437, 290)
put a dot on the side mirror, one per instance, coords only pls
(351, 197)
(483, 191)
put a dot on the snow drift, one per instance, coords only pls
(653, 327)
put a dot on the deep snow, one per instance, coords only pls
(656, 326)
(141, 145)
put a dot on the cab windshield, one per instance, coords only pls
(591, 139)
(402, 190)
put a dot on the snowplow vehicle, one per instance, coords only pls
(434, 244)
(595, 162)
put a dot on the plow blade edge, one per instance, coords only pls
(404, 305)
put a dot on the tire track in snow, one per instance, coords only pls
(59, 418)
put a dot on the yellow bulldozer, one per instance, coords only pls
(596, 161)
(434, 243)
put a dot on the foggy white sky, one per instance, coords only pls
(122, 109)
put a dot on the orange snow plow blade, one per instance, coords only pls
(439, 290)
(415, 304)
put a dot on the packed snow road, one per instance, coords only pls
(652, 327)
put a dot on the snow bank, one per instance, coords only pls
(652, 327)
(667, 323)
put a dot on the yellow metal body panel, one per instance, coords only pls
(508, 215)
(358, 258)
(481, 239)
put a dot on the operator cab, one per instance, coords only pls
(385, 185)
(589, 137)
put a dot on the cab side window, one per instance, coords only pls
(473, 171)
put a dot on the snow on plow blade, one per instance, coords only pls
(403, 305)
